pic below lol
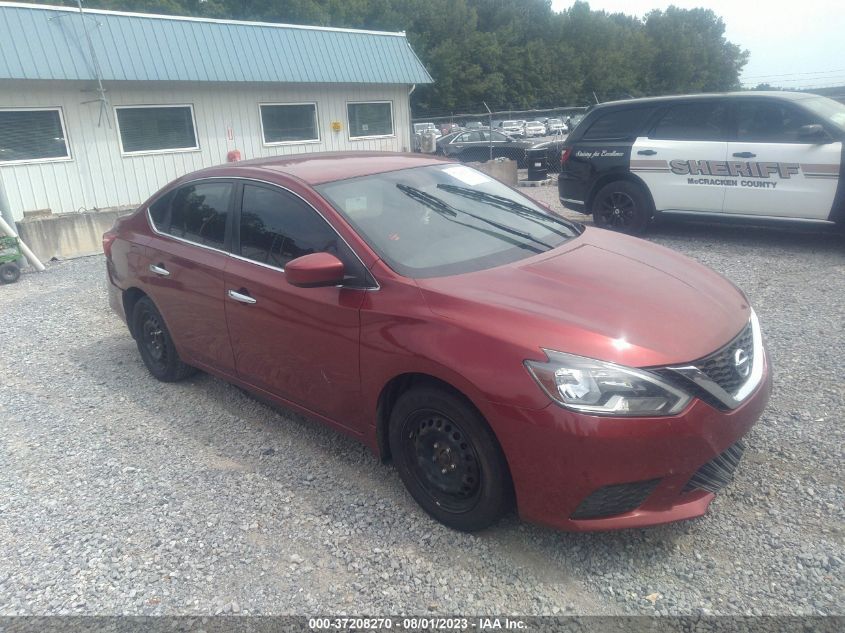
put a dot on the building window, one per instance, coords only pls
(289, 123)
(32, 135)
(156, 129)
(370, 119)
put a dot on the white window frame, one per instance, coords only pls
(364, 138)
(58, 159)
(146, 152)
(267, 143)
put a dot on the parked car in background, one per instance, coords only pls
(419, 130)
(511, 128)
(474, 125)
(448, 128)
(533, 128)
(475, 146)
(555, 126)
(500, 355)
(765, 156)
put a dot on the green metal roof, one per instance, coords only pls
(43, 42)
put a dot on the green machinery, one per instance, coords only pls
(10, 253)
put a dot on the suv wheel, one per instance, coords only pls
(622, 206)
(9, 273)
(449, 459)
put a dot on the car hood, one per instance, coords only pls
(601, 295)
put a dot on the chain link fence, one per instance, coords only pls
(479, 135)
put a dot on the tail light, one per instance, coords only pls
(108, 239)
(564, 155)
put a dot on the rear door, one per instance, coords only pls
(300, 344)
(780, 172)
(184, 270)
(683, 158)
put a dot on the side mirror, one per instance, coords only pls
(314, 270)
(813, 133)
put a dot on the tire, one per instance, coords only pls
(9, 273)
(155, 344)
(449, 459)
(622, 206)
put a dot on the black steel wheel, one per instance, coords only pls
(155, 344)
(622, 206)
(9, 273)
(449, 459)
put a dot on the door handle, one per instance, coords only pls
(240, 297)
(647, 152)
(744, 155)
(159, 270)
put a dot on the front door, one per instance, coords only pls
(682, 158)
(183, 272)
(782, 173)
(300, 344)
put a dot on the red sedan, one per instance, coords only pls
(499, 354)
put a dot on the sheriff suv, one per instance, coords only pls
(749, 155)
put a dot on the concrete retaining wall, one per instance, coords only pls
(69, 234)
(502, 169)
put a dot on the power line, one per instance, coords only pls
(812, 72)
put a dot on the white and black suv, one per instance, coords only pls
(748, 155)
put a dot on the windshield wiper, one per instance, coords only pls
(442, 207)
(510, 205)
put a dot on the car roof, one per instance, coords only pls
(779, 94)
(320, 167)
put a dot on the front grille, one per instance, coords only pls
(721, 366)
(615, 499)
(718, 472)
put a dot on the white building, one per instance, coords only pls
(101, 109)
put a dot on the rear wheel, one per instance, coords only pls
(622, 206)
(9, 273)
(155, 344)
(449, 459)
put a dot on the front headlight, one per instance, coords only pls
(592, 386)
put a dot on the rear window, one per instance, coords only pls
(622, 123)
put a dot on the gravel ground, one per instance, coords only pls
(122, 495)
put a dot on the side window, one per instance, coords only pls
(695, 121)
(277, 227)
(159, 209)
(461, 138)
(769, 122)
(475, 137)
(495, 135)
(199, 213)
(618, 124)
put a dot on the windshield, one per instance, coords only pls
(535, 123)
(445, 220)
(509, 123)
(554, 121)
(829, 109)
(419, 127)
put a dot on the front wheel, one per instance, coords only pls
(449, 459)
(155, 344)
(9, 273)
(622, 206)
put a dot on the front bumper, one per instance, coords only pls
(559, 458)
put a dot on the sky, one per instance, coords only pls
(793, 44)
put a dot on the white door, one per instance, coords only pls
(781, 172)
(680, 157)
